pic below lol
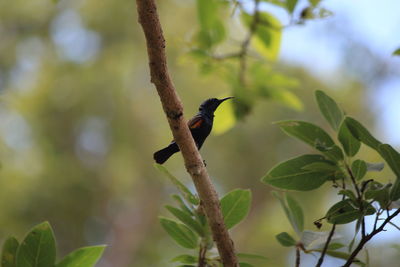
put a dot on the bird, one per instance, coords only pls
(200, 126)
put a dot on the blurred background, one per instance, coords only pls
(79, 121)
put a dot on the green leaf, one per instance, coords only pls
(308, 133)
(312, 239)
(322, 166)
(180, 233)
(9, 252)
(38, 248)
(291, 175)
(268, 34)
(344, 256)
(352, 242)
(186, 219)
(396, 52)
(395, 191)
(182, 204)
(185, 258)
(349, 194)
(293, 211)
(250, 256)
(350, 144)
(334, 153)
(361, 133)
(359, 169)
(297, 216)
(285, 239)
(314, 3)
(378, 192)
(335, 246)
(331, 111)
(235, 206)
(181, 187)
(245, 264)
(344, 212)
(291, 5)
(375, 166)
(284, 206)
(83, 257)
(391, 156)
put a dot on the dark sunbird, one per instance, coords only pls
(200, 126)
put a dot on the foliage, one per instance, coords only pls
(192, 231)
(335, 163)
(248, 67)
(38, 249)
(72, 148)
(396, 52)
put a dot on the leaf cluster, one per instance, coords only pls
(335, 162)
(248, 66)
(190, 228)
(38, 249)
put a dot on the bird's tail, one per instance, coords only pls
(162, 155)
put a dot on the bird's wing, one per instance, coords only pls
(195, 122)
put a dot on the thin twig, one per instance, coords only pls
(368, 237)
(173, 108)
(321, 258)
(360, 200)
(297, 256)
(394, 225)
(202, 255)
(378, 213)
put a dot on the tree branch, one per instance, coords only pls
(368, 237)
(173, 108)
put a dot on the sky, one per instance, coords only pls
(375, 23)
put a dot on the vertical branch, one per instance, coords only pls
(173, 109)
(359, 196)
(297, 257)
(321, 258)
(202, 255)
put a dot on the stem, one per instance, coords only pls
(149, 20)
(359, 196)
(378, 213)
(368, 237)
(394, 225)
(202, 255)
(321, 258)
(297, 257)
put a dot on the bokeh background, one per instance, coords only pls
(79, 121)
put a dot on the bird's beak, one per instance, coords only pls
(226, 98)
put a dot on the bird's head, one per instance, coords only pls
(210, 105)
